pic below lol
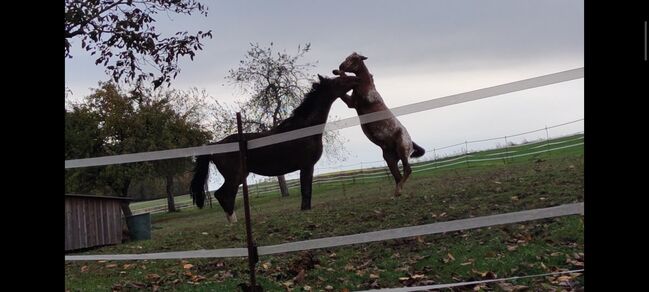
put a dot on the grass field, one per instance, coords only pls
(431, 195)
(507, 155)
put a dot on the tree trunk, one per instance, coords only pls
(126, 209)
(171, 206)
(282, 185)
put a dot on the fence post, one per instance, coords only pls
(253, 256)
(506, 151)
(466, 152)
(434, 159)
(547, 140)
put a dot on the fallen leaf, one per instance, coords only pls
(198, 278)
(418, 276)
(564, 278)
(153, 277)
(288, 284)
(266, 265)
(512, 288)
(375, 284)
(306, 288)
(300, 277)
(450, 256)
(328, 288)
(374, 276)
(110, 266)
(187, 266)
(84, 269)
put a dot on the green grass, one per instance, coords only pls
(543, 180)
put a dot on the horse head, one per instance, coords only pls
(339, 86)
(353, 63)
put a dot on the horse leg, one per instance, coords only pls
(306, 184)
(392, 159)
(406, 169)
(226, 195)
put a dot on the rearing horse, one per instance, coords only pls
(389, 134)
(276, 159)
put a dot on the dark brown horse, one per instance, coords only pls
(389, 134)
(276, 159)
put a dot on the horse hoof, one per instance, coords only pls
(231, 218)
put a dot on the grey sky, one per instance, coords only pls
(417, 50)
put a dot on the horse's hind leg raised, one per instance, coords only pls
(392, 160)
(406, 172)
(403, 153)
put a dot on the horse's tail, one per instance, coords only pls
(197, 187)
(418, 150)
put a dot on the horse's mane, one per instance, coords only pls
(308, 106)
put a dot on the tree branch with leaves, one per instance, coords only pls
(123, 35)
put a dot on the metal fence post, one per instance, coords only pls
(253, 256)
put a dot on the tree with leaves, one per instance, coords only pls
(105, 120)
(276, 83)
(167, 123)
(111, 122)
(123, 36)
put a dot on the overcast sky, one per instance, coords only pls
(417, 50)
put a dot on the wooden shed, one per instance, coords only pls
(92, 221)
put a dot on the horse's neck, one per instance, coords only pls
(368, 99)
(366, 78)
(316, 117)
(320, 115)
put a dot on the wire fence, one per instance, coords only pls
(466, 158)
(360, 175)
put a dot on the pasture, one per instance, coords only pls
(534, 179)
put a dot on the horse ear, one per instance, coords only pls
(321, 78)
(362, 57)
